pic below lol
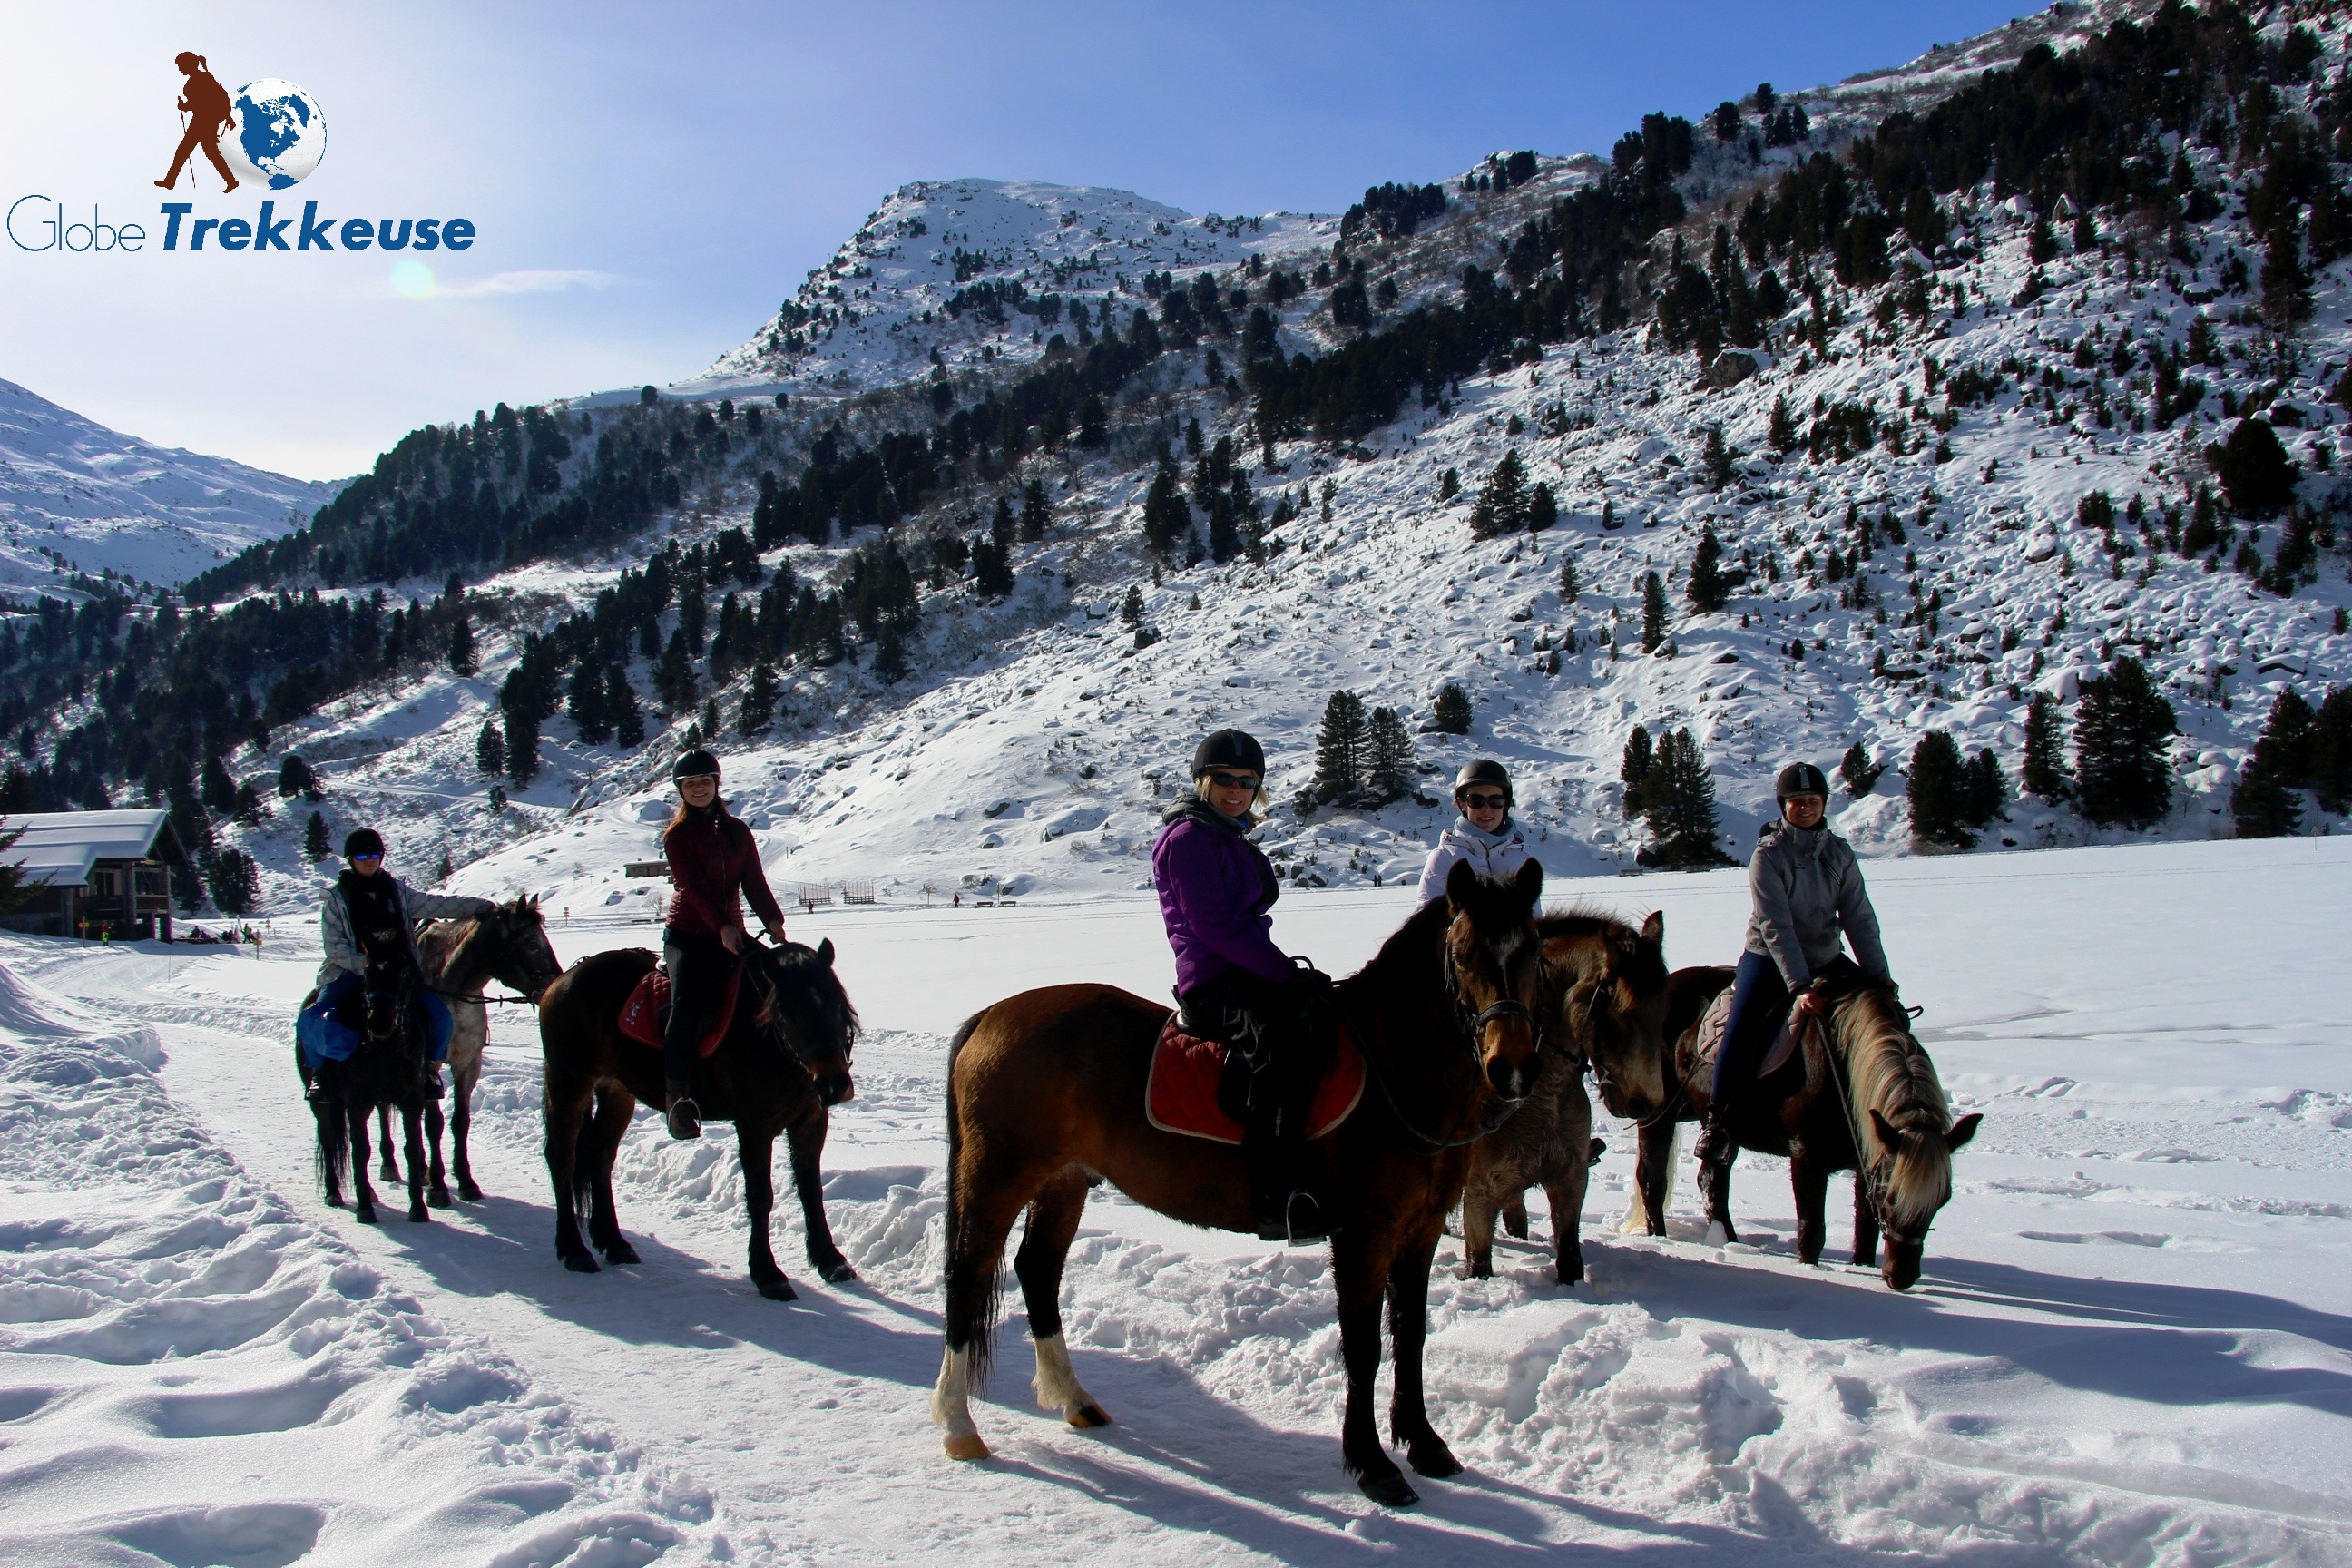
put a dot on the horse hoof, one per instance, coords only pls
(837, 1272)
(1389, 1491)
(439, 1199)
(1433, 1459)
(580, 1263)
(967, 1447)
(779, 1289)
(365, 1216)
(1574, 1275)
(419, 1215)
(468, 1193)
(1719, 1234)
(1483, 1270)
(621, 1252)
(1088, 1415)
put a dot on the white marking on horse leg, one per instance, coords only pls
(952, 1406)
(1057, 1384)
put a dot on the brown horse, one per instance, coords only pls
(783, 1061)
(1609, 982)
(1045, 1094)
(1860, 1096)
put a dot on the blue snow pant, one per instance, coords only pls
(322, 1033)
(1759, 999)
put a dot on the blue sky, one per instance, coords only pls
(650, 181)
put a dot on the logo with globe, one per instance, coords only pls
(278, 133)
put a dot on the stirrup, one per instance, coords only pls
(682, 1118)
(1303, 1222)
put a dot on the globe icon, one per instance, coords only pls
(279, 136)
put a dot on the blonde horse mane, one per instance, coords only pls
(1890, 1074)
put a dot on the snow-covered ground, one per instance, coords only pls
(78, 497)
(2132, 1344)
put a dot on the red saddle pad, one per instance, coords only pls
(641, 1015)
(1181, 1093)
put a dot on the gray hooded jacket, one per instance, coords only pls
(1806, 886)
(341, 948)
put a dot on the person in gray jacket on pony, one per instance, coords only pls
(370, 913)
(1806, 888)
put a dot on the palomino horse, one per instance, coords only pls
(1861, 1095)
(391, 1066)
(1609, 981)
(1045, 1094)
(461, 957)
(784, 1060)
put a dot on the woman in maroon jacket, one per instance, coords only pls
(713, 859)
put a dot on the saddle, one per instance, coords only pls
(647, 1012)
(1182, 1092)
(1706, 1040)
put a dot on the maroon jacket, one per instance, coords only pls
(711, 858)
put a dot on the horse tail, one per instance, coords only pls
(972, 1303)
(334, 1158)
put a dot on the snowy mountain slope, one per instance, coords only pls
(78, 497)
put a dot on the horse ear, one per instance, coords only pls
(1963, 1129)
(1654, 930)
(1888, 1135)
(1528, 883)
(824, 952)
(1461, 886)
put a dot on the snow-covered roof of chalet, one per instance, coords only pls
(60, 847)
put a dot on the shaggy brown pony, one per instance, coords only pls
(1045, 1093)
(784, 1060)
(1861, 1095)
(1609, 980)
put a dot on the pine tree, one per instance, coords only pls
(2121, 728)
(1568, 583)
(249, 809)
(621, 707)
(16, 889)
(491, 750)
(992, 576)
(2267, 801)
(1938, 793)
(1502, 506)
(1984, 794)
(1037, 512)
(586, 703)
(759, 710)
(889, 655)
(2331, 750)
(315, 846)
(523, 747)
(1167, 516)
(1340, 746)
(2043, 771)
(1131, 609)
(1859, 772)
(1634, 769)
(2256, 476)
(1653, 612)
(295, 777)
(1389, 766)
(1451, 714)
(1784, 436)
(463, 659)
(1708, 590)
(1715, 458)
(1001, 528)
(2286, 285)
(219, 794)
(711, 718)
(444, 869)
(234, 881)
(1543, 509)
(674, 682)
(1678, 805)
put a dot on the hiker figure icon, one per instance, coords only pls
(206, 104)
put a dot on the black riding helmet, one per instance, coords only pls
(696, 763)
(1235, 749)
(1800, 778)
(1483, 770)
(362, 841)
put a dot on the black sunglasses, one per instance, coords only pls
(371, 855)
(1485, 802)
(1232, 781)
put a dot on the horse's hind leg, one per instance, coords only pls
(461, 1124)
(1567, 1199)
(412, 1132)
(758, 1152)
(1408, 1294)
(1811, 1185)
(1865, 1226)
(383, 1142)
(334, 1149)
(1654, 1168)
(355, 1121)
(563, 1104)
(1045, 1246)
(1514, 1217)
(984, 1197)
(600, 1146)
(805, 1139)
(437, 1184)
(1479, 1208)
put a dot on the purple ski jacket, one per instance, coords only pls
(1216, 887)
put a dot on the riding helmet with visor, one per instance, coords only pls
(1800, 778)
(1235, 749)
(694, 765)
(1483, 770)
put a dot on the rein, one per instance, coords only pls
(1874, 1173)
(1502, 1110)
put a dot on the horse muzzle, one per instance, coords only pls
(834, 1088)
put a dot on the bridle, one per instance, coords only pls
(534, 986)
(1875, 1176)
(1473, 1026)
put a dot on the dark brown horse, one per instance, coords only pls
(1045, 1093)
(1609, 984)
(784, 1062)
(1861, 1095)
(391, 1068)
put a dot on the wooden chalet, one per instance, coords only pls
(94, 871)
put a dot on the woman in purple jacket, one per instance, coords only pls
(1232, 984)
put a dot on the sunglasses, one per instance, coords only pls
(692, 779)
(1485, 802)
(377, 856)
(1232, 781)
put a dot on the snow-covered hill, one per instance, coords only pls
(78, 497)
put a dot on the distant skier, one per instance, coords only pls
(206, 104)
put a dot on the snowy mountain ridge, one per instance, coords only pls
(78, 497)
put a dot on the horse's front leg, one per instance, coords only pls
(383, 1142)
(1653, 1170)
(412, 1134)
(757, 1151)
(1808, 1180)
(805, 1139)
(355, 1123)
(1362, 1277)
(1408, 1328)
(461, 1124)
(437, 1184)
(1866, 1224)
(1478, 1210)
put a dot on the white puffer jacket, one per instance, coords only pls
(1496, 856)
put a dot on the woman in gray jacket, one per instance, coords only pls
(1806, 886)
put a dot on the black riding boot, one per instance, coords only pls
(1273, 1143)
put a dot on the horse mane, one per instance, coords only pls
(799, 963)
(1645, 967)
(1890, 1074)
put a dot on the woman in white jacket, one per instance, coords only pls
(1483, 835)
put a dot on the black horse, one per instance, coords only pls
(783, 1061)
(392, 1069)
